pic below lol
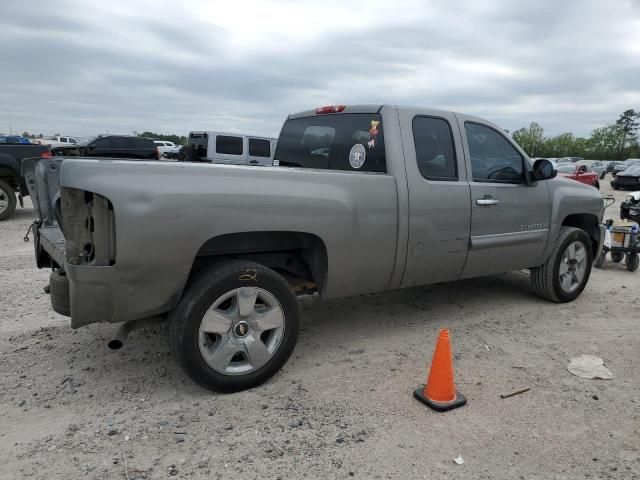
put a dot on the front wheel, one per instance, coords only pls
(235, 326)
(566, 272)
(632, 261)
(7, 200)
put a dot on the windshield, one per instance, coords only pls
(566, 168)
(633, 170)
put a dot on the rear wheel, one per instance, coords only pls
(235, 326)
(566, 272)
(7, 200)
(617, 257)
(59, 292)
(599, 262)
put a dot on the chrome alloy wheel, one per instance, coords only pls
(241, 331)
(573, 267)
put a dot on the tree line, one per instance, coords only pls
(616, 141)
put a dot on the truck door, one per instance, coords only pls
(509, 215)
(439, 210)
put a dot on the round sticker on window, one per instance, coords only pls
(357, 155)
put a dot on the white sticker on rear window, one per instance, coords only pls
(357, 155)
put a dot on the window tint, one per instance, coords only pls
(435, 152)
(119, 143)
(344, 141)
(229, 145)
(102, 143)
(259, 148)
(493, 158)
(73, 140)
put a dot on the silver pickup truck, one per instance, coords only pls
(365, 199)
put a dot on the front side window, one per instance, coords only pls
(259, 147)
(228, 145)
(343, 141)
(493, 158)
(435, 151)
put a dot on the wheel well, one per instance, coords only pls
(300, 257)
(588, 223)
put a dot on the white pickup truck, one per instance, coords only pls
(57, 141)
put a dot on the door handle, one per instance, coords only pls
(487, 201)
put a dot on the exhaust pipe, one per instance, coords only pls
(117, 342)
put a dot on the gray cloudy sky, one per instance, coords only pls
(80, 67)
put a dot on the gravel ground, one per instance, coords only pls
(342, 406)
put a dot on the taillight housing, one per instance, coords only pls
(46, 154)
(330, 109)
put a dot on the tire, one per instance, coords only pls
(545, 279)
(617, 257)
(229, 371)
(59, 292)
(632, 261)
(599, 262)
(602, 175)
(597, 185)
(7, 200)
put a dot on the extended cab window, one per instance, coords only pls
(228, 145)
(435, 152)
(493, 158)
(259, 148)
(343, 141)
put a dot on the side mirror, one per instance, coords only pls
(543, 169)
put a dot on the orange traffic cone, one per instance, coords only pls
(440, 392)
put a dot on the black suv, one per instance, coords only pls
(112, 146)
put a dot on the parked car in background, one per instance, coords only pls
(172, 153)
(14, 140)
(112, 146)
(57, 141)
(12, 156)
(621, 167)
(570, 159)
(580, 172)
(597, 166)
(629, 178)
(229, 148)
(369, 198)
(611, 164)
(163, 145)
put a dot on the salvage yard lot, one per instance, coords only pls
(342, 407)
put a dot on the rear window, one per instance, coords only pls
(259, 147)
(345, 141)
(228, 145)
